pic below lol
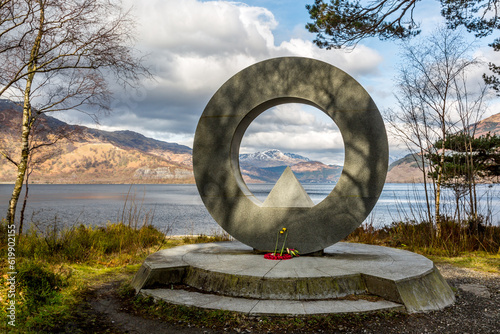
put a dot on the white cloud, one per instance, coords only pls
(306, 140)
(298, 129)
(194, 47)
(290, 114)
(357, 62)
(198, 44)
(205, 28)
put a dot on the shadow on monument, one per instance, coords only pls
(245, 96)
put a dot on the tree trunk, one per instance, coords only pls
(28, 120)
(472, 181)
(440, 178)
(424, 172)
(26, 194)
(437, 206)
(23, 164)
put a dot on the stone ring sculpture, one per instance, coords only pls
(249, 93)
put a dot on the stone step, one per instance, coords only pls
(233, 270)
(269, 307)
(268, 287)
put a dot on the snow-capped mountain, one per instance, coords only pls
(267, 166)
(271, 158)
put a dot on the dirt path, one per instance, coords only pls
(122, 320)
(477, 310)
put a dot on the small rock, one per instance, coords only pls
(476, 289)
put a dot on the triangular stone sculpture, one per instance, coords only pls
(288, 193)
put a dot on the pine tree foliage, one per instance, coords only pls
(343, 23)
(468, 159)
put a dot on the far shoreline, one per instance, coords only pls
(186, 183)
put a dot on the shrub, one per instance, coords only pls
(87, 243)
(453, 238)
(37, 285)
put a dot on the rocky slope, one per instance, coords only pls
(84, 155)
(490, 124)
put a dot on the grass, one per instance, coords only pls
(202, 238)
(479, 261)
(57, 267)
(455, 240)
(89, 244)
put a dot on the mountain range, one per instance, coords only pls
(86, 155)
(271, 158)
(267, 167)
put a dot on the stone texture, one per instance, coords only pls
(249, 93)
(232, 270)
(476, 289)
(269, 307)
(288, 193)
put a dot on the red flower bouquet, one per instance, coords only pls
(276, 256)
(290, 252)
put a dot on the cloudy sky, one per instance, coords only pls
(194, 46)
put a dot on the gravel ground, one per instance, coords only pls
(477, 310)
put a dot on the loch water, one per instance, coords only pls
(178, 209)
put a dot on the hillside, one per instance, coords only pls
(271, 158)
(267, 167)
(490, 124)
(92, 155)
(306, 172)
(88, 155)
(95, 156)
(406, 170)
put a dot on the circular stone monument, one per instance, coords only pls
(229, 113)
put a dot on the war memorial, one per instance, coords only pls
(328, 276)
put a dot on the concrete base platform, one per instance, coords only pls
(229, 276)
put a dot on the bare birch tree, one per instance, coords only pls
(59, 55)
(471, 108)
(431, 102)
(14, 15)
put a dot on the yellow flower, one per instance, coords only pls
(284, 229)
(281, 232)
